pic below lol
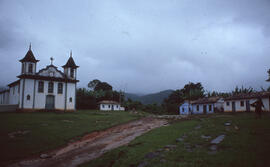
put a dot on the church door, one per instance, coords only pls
(49, 102)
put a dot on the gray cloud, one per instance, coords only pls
(143, 46)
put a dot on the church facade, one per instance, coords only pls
(48, 89)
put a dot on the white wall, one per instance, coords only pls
(239, 108)
(71, 92)
(14, 94)
(200, 111)
(28, 90)
(184, 109)
(108, 107)
(4, 97)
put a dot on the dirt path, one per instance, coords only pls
(94, 144)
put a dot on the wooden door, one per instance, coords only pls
(233, 106)
(49, 102)
(204, 109)
(247, 106)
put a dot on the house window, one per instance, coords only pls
(227, 103)
(70, 99)
(103, 106)
(242, 103)
(60, 88)
(28, 97)
(210, 107)
(183, 110)
(50, 87)
(109, 106)
(40, 86)
(30, 68)
(72, 73)
(197, 107)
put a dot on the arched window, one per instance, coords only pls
(50, 87)
(72, 73)
(70, 99)
(28, 97)
(60, 88)
(30, 68)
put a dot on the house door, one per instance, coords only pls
(49, 102)
(233, 106)
(204, 109)
(247, 106)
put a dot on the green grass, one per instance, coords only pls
(246, 145)
(48, 131)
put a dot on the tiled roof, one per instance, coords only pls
(70, 63)
(249, 96)
(108, 102)
(206, 100)
(29, 57)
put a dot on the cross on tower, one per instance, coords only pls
(52, 60)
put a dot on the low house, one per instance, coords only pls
(241, 102)
(185, 108)
(108, 105)
(207, 105)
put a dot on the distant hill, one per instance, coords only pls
(149, 98)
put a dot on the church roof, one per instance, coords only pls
(29, 57)
(70, 63)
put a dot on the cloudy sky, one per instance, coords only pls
(142, 46)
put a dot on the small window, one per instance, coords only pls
(109, 106)
(40, 86)
(103, 106)
(70, 99)
(227, 103)
(50, 87)
(60, 88)
(210, 107)
(28, 97)
(242, 103)
(22, 67)
(30, 68)
(197, 107)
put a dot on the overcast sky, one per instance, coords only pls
(142, 46)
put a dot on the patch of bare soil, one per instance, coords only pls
(93, 145)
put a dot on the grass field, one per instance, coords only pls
(246, 143)
(26, 134)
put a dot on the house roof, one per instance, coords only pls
(39, 77)
(29, 57)
(249, 96)
(14, 83)
(70, 63)
(108, 102)
(206, 100)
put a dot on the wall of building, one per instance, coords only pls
(4, 97)
(71, 93)
(185, 109)
(14, 94)
(28, 91)
(40, 97)
(239, 108)
(108, 107)
(200, 111)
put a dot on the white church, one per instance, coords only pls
(49, 89)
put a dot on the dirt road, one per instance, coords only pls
(94, 144)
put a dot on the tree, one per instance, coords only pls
(103, 86)
(93, 84)
(242, 90)
(193, 91)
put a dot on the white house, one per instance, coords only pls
(207, 105)
(241, 102)
(47, 89)
(108, 105)
(185, 108)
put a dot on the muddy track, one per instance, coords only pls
(94, 144)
